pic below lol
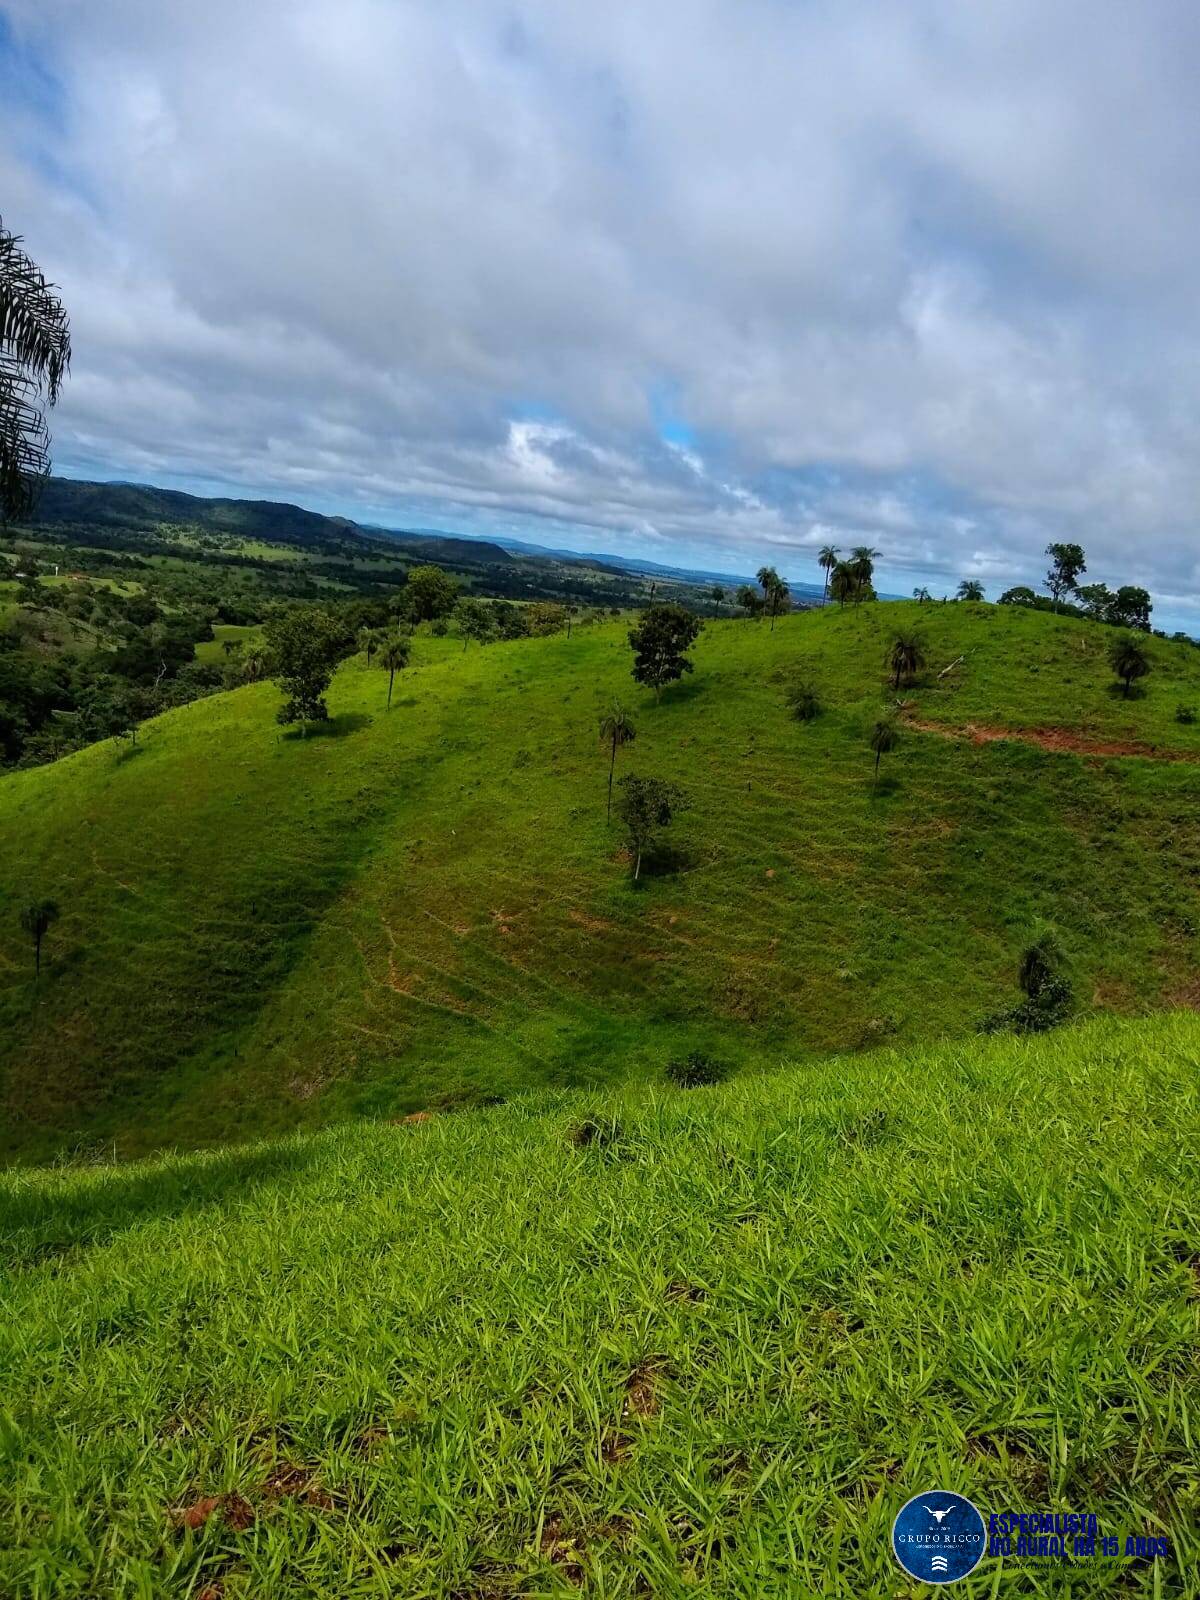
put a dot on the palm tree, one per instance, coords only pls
(862, 567)
(842, 583)
(36, 919)
(369, 641)
(1128, 660)
(35, 353)
(884, 737)
(255, 664)
(906, 658)
(616, 728)
(970, 589)
(716, 594)
(775, 591)
(828, 558)
(922, 595)
(393, 658)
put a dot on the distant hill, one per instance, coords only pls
(69, 501)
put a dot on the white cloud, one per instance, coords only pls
(920, 275)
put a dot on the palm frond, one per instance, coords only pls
(35, 355)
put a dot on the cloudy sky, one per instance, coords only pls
(710, 282)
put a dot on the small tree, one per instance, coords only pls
(750, 601)
(775, 592)
(393, 658)
(36, 920)
(827, 560)
(646, 806)
(430, 593)
(1066, 564)
(475, 621)
(616, 729)
(922, 595)
(905, 658)
(970, 589)
(306, 644)
(862, 569)
(716, 594)
(842, 584)
(369, 640)
(1045, 985)
(885, 736)
(1128, 660)
(660, 642)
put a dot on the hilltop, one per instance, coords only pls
(426, 908)
(675, 1343)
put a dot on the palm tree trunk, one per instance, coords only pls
(825, 589)
(875, 779)
(611, 768)
(37, 958)
(637, 870)
(391, 681)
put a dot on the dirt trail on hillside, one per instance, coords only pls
(1060, 740)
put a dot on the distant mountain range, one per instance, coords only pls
(135, 505)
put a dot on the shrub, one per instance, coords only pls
(1185, 714)
(697, 1071)
(803, 702)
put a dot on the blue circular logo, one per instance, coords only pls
(939, 1537)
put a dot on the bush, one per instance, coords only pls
(1048, 993)
(697, 1071)
(803, 702)
(1185, 714)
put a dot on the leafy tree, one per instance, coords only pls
(970, 589)
(306, 644)
(1131, 608)
(804, 702)
(646, 806)
(827, 559)
(884, 738)
(1020, 595)
(1096, 599)
(35, 354)
(1129, 661)
(862, 568)
(474, 621)
(716, 594)
(660, 643)
(843, 585)
(36, 920)
(616, 729)
(906, 658)
(544, 617)
(430, 593)
(393, 658)
(1066, 564)
(750, 601)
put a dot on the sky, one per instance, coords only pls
(712, 283)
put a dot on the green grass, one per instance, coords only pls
(212, 651)
(709, 1352)
(426, 908)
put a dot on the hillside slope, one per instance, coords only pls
(709, 1350)
(427, 908)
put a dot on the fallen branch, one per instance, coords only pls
(952, 666)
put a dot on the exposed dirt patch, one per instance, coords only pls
(557, 1545)
(1061, 741)
(292, 1482)
(592, 924)
(411, 1117)
(680, 1290)
(615, 1448)
(642, 1398)
(237, 1512)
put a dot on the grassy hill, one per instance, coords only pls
(426, 908)
(630, 1342)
